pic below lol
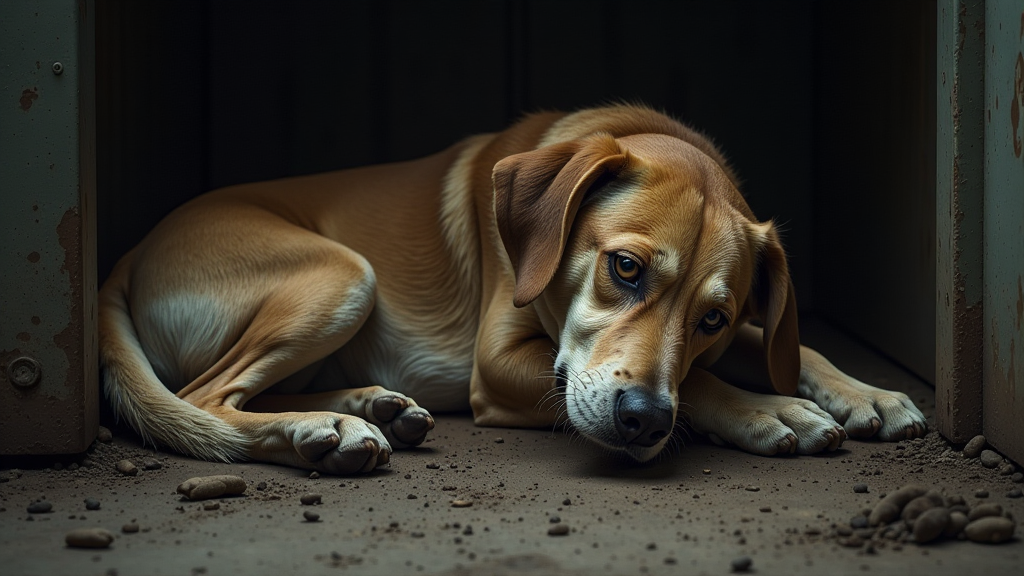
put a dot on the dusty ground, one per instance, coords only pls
(691, 513)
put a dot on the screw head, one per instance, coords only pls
(58, 68)
(24, 372)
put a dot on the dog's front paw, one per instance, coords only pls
(341, 444)
(782, 425)
(866, 411)
(403, 423)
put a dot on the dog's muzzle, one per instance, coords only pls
(641, 418)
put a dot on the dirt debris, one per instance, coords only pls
(89, 538)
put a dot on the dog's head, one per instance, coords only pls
(641, 259)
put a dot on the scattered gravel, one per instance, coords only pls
(990, 458)
(975, 446)
(127, 468)
(151, 464)
(89, 538)
(558, 530)
(206, 487)
(41, 507)
(741, 564)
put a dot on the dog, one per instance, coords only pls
(598, 269)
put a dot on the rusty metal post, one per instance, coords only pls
(1004, 227)
(48, 355)
(959, 183)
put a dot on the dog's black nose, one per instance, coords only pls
(641, 418)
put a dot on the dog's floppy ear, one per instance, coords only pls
(536, 197)
(775, 304)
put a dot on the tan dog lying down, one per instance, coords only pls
(596, 268)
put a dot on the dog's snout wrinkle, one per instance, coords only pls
(640, 418)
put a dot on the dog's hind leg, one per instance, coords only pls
(283, 298)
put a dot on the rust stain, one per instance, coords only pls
(1020, 302)
(36, 320)
(33, 257)
(70, 340)
(24, 336)
(28, 96)
(1017, 103)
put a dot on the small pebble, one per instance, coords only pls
(311, 516)
(741, 564)
(130, 528)
(499, 440)
(433, 465)
(930, 525)
(412, 496)
(40, 507)
(416, 534)
(765, 509)
(151, 464)
(858, 522)
(1006, 469)
(1015, 493)
(852, 542)
(554, 519)
(211, 506)
(261, 486)
(89, 538)
(991, 529)
(860, 488)
(974, 447)
(92, 504)
(981, 493)
(314, 475)
(1017, 477)
(310, 499)
(558, 530)
(206, 487)
(127, 468)
(990, 459)
(752, 489)
(983, 510)
(461, 503)
(104, 435)
(566, 502)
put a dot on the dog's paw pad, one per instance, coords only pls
(411, 429)
(386, 408)
(787, 445)
(312, 449)
(341, 444)
(403, 423)
(890, 416)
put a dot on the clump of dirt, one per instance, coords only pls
(930, 511)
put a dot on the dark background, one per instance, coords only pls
(826, 110)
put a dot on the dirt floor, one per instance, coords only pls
(693, 512)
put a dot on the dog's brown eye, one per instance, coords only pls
(713, 321)
(626, 268)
